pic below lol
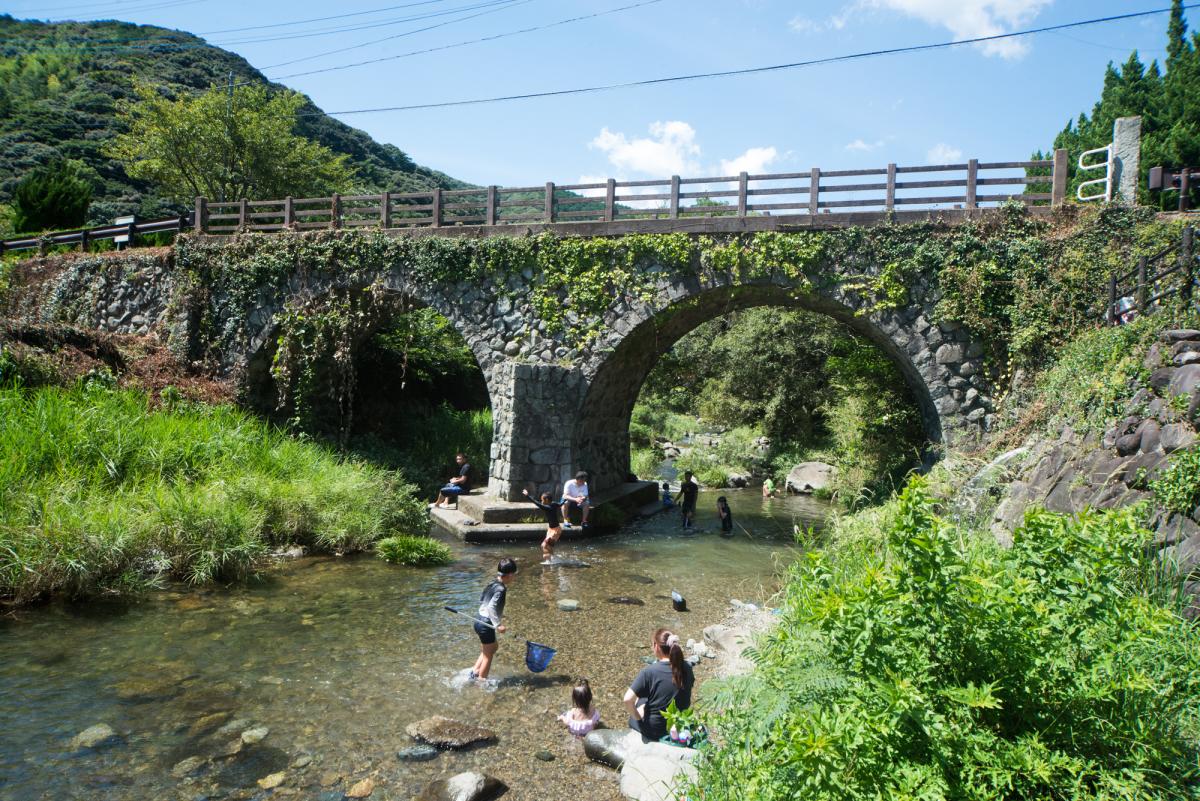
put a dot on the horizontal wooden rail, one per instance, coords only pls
(794, 194)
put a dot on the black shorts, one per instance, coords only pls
(689, 508)
(487, 634)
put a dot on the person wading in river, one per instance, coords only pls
(491, 609)
(668, 679)
(553, 513)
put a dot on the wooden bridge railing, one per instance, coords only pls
(866, 196)
(1173, 271)
(975, 185)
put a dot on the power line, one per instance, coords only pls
(492, 38)
(369, 25)
(510, 4)
(320, 19)
(756, 70)
(92, 7)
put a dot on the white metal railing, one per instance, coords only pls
(1106, 181)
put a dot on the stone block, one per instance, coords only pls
(1176, 436)
(1184, 380)
(1174, 335)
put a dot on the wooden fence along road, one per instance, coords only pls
(729, 203)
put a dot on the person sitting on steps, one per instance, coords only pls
(458, 484)
(575, 496)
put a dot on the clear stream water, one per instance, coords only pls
(336, 656)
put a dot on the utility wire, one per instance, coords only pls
(492, 38)
(754, 70)
(320, 19)
(90, 7)
(510, 4)
(367, 25)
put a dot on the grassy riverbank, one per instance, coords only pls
(99, 493)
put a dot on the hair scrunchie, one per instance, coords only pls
(672, 639)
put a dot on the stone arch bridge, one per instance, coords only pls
(564, 329)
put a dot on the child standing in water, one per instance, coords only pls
(688, 491)
(726, 517)
(668, 502)
(553, 512)
(491, 609)
(582, 717)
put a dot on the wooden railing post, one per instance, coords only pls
(491, 204)
(1141, 286)
(1112, 299)
(1185, 188)
(610, 196)
(83, 241)
(243, 209)
(674, 197)
(549, 201)
(972, 178)
(1058, 178)
(130, 234)
(1187, 255)
(743, 193)
(198, 223)
(437, 207)
(814, 190)
(289, 213)
(385, 211)
(889, 202)
(335, 211)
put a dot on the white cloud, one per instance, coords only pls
(832, 23)
(754, 160)
(670, 150)
(942, 153)
(865, 147)
(969, 19)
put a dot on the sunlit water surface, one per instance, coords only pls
(336, 656)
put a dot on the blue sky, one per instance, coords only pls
(997, 102)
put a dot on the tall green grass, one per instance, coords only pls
(100, 494)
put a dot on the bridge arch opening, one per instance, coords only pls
(602, 435)
(392, 380)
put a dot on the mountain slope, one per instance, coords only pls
(60, 83)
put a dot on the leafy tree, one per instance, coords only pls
(51, 197)
(225, 145)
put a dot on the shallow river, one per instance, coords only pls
(334, 657)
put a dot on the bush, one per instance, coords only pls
(935, 666)
(1177, 488)
(51, 198)
(414, 551)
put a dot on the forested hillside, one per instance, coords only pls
(60, 84)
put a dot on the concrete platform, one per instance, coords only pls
(483, 518)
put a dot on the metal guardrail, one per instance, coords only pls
(85, 236)
(1144, 287)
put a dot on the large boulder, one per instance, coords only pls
(446, 733)
(469, 786)
(656, 771)
(808, 477)
(609, 746)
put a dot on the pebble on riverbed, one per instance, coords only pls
(568, 604)
(417, 753)
(446, 733)
(96, 736)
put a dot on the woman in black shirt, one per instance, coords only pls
(669, 679)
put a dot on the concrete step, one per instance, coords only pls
(470, 530)
(490, 509)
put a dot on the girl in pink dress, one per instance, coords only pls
(582, 717)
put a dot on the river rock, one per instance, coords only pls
(417, 753)
(469, 786)
(1180, 335)
(609, 746)
(207, 723)
(634, 577)
(96, 736)
(544, 755)
(362, 789)
(234, 725)
(654, 771)
(807, 477)
(301, 761)
(626, 601)
(272, 781)
(255, 735)
(187, 767)
(568, 604)
(446, 733)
